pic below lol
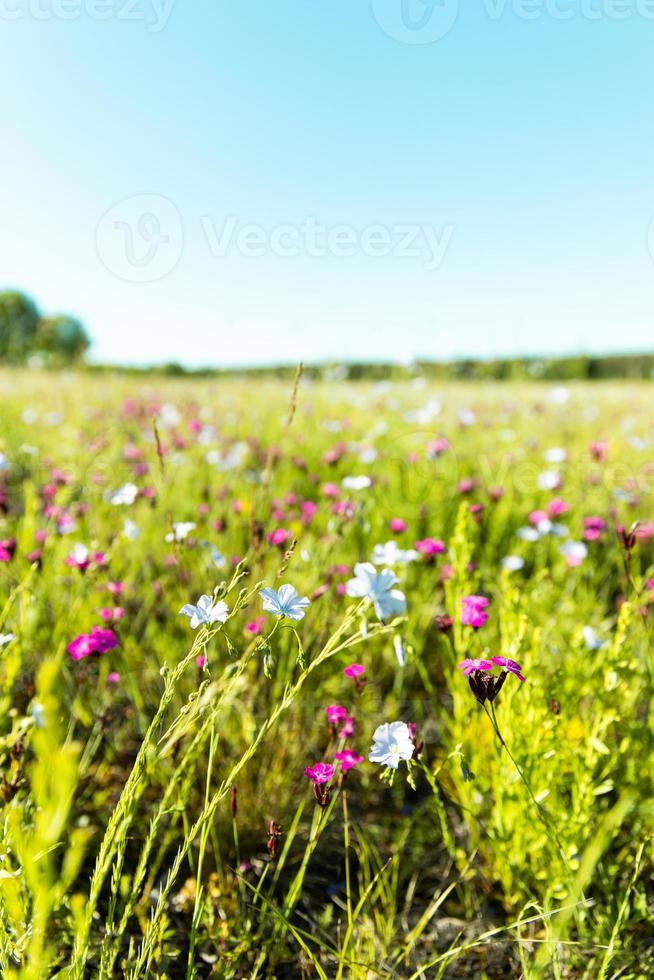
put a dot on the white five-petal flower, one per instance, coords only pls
(391, 554)
(378, 587)
(391, 744)
(206, 611)
(125, 495)
(286, 602)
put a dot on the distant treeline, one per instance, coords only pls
(636, 367)
(27, 337)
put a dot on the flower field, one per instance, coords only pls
(325, 680)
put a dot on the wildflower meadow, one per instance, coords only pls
(325, 679)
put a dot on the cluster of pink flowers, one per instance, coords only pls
(474, 611)
(99, 640)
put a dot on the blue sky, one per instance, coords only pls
(231, 182)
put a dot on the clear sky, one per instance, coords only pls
(232, 182)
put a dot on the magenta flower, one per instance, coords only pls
(335, 714)
(278, 537)
(473, 613)
(99, 640)
(397, 525)
(468, 666)
(354, 670)
(320, 773)
(348, 759)
(509, 665)
(347, 730)
(113, 677)
(430, 547)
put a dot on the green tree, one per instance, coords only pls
(19, 322)
(62, 337)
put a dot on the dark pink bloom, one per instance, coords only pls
(113, 677)
(556, 507)
(331, 490)
(335, 714)
(347, 730)
(356, 670)
(308, 511)
(116, 588)
(319, 774)
(278, 537)
(99, 640)
(473, 613)
(201, 661)
(468, 666)
(466, 486)
(348, 759)
(593, 527)
(430, 547)
(256, 626)
(397, 525)
(537, 516)
(509, 665)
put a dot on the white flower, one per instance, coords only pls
(555, 455)
(286, 602)
(574, 552)
(125, 495)
(591, 639)
(527, 534)
(6, 638)
(356, 482)
(131, 531)
(392, 743)
(467, 417)
(205, 612)
(549, 480)
(378, 587)
(391, 554)
(79, 554)
(559, 396)
(180, 531)
(513, 563)
(217, 558)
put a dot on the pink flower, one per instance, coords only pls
(308, 509)
(356, 670)
(331, 490)
(593, 527)
(319, 774)
(436, 447)
(113, 677)
(397, 525)
(537, 516)
(347, 730)
(99, 640)
(335, 714)
(201, 661)
(509, 665)
(430, 547)
(473, 613)
(468, 666)
(256, 626)
(278, 536)
(348, 759)
(116, 588)
(466, 485)
(556, 507)
(599, 451)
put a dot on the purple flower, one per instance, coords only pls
(319, 774)
(468, 666)
(511, 666)
(473, 613)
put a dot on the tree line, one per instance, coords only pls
(26, 335)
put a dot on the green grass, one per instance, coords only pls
(518, 843)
